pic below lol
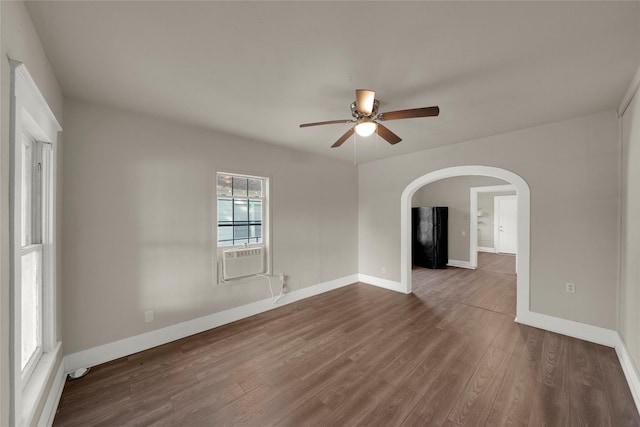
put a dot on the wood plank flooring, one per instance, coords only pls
(447, 355)
(499, 263)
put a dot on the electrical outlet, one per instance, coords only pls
(570, 287)
(148, 316)
(384, 270)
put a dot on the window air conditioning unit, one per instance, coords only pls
(242, 262)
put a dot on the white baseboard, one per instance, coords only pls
(460, 264)
(53, 399)
(630, 369)
(107, 352)
(486, 249)
(381, 283)
(594, 334)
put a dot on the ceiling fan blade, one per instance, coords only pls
(409, 114)
(330, 122)
(389, 136)
(364, 98)
(343, 138)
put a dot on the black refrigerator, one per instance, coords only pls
(429, 235)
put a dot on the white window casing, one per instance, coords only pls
(33, 135)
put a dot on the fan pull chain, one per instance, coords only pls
(377, 144)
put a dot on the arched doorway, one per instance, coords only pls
(524, 221)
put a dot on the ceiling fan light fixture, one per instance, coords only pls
(366, 128)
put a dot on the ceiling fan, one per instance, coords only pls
(366, 118)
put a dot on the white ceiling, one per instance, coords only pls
(259, 69)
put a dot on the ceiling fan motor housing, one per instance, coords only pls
(358, 115)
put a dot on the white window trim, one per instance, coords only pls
(30, 114)
(266, 231)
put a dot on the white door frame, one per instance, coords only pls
(473, 218)
(524, 221)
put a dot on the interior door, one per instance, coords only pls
(506, 222)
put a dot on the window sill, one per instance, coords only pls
(34, 391)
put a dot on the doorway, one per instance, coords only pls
(475, 244)
(505, 227)
(523, 224)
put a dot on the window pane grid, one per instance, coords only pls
(240, 204)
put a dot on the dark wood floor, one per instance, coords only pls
(447, 355)
(499, 263)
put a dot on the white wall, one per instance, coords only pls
(629, 306)
(455, 194)
(20, 42)
(571, 168)
(140, 207)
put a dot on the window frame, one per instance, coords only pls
(264, 214)
(266, 226)
(31, 115)
(34, 235)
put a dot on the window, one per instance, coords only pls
(34, 164)
(241, 209)
(36, 351)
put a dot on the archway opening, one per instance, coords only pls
(524, 221)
